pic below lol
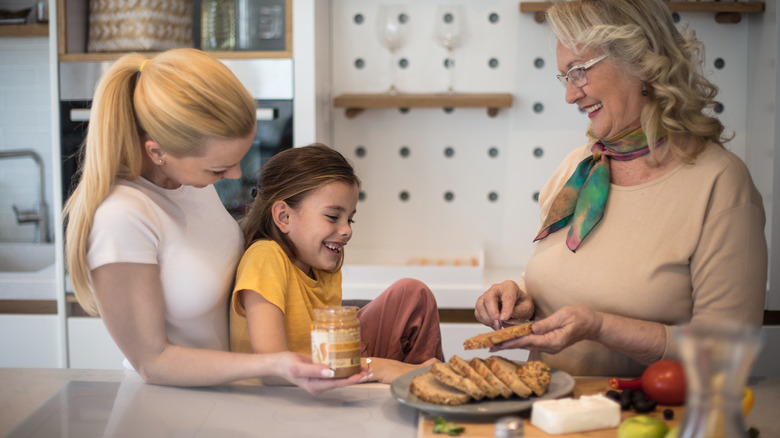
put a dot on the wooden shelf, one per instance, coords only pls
(28, 307)
(24, 30)
(73, 37)
(356, 103)
(725, 11)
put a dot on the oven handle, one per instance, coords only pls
(266, 114)
(82, 115)
(79, 115)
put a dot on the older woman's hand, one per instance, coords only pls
(563, 328)
(503, 301)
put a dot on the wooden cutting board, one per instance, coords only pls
(583, 386)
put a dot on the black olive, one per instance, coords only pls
(614, 395)
(643, 407)
(668, 414)
(625, 404)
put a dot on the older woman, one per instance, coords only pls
(651, 224)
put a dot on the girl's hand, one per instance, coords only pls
(503, 301)
(563, 328)
(314, 378)
(387, 370)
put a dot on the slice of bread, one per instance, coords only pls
(490, 339)
(536, 375)
(427, 388)
(445, 374)
(490, 377)
(463, 368)
(506, 370)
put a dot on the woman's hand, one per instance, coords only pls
(314, 378)
(387, 370)
(563, 328)
(643, 341)
(503, 301)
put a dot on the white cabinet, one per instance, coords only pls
(29, 341)
(90, 346)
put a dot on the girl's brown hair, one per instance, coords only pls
(290, 176)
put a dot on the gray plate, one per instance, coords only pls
(561, 385)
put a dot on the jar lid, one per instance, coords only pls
(335, 312)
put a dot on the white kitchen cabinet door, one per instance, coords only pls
(90, 346)
(29, 341)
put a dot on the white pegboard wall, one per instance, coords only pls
(726, 60)
(355, 40)
(531, 138)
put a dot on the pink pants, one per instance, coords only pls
(402, 324)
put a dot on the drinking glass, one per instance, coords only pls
(449, 30)
(717, 358)
(391, 32)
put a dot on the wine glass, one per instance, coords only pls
(449, 30)
(391, 32)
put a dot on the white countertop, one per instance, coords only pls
(27, 271)
(37, 285)
(120, 399)
(63, 402)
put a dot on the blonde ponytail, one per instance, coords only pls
(183, 97)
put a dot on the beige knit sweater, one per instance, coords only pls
(686, 246)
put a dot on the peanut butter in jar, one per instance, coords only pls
(335, 339)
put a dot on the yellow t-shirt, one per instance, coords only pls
(267, 270)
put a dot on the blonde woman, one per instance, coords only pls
(651, 224)
(149, 246)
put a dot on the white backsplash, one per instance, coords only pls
(25, 123)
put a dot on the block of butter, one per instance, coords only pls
(568, 415)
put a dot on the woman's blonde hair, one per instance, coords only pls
(641, 37)
(181, 98)
(291, 176)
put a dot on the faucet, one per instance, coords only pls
(39, 214)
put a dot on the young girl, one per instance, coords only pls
(296, 231)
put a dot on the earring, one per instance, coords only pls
(644, 88)
(160, 161)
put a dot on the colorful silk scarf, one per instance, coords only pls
(582, 199)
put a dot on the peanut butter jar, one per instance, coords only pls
(335, 339)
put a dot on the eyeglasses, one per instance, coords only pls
(576, 75)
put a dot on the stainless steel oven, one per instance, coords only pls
(270, 81)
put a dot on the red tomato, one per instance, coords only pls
(664, 382)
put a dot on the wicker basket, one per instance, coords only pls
(139, 25)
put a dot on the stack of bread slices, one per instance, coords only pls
(459, 381)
